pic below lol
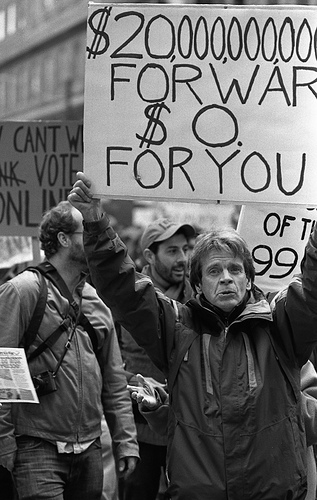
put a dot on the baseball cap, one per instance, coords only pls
(161, 230)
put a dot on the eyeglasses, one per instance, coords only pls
(78, 232)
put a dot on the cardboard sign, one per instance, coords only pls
(202, 102)
(38, 165)
(277, 240)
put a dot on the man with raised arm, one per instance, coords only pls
(232, 362)
(53, 448)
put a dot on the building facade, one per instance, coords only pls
(42, 57)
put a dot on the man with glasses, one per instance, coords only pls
(53, 449)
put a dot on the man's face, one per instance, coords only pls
(224, 282)
(171, 260)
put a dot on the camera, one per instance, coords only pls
(44, 383)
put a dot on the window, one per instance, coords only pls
(22, 15)
(22, 92)
(11, 19)
(79, 54)
(2, 93)
(49, 73)
(2, 25)
(35, 79)
(49, 5)
(11, 90)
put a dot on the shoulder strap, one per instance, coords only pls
(280, 357)
(51, 273)
(50, 341)
(184, 342)
(38, 313)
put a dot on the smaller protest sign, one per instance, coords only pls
(38, 166)
(277, 240)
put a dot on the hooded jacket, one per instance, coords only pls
(235, 427)
(88, 385)
(137, 361)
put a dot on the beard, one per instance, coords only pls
(77, 257)
(169, 274)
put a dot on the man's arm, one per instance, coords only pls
(115, 396)
(295, 308)
(153, 404)
(12, 321)
(118, 408)
(116, 400)
(130, 295)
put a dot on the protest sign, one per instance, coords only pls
(202, 102)
(38, 165)
(277, 240)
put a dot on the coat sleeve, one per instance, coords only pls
(116, 400)
(18, 298)
(309, 401)
(158, 418)
(131, 296)
(295, 309)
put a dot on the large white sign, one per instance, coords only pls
(276, 237)
(202, 102)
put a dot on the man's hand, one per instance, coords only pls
(126, 466)
(8, 460)
(81, 197)
(144, 392)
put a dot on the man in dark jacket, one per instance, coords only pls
(54, 447)
(164, 244)
(236, 427)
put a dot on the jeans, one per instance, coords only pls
(110, 482)
(144, 482)
(6, 485)
(40, 472)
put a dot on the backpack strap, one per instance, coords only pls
(51, 273)
(50, 341)
(38, 313)
(185, 339)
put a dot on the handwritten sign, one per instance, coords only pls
(277, 240)
(202, 102)
(38, 165)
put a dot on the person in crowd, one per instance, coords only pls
(53, 448)
(153, 402)
(164, 245)
(232, 363)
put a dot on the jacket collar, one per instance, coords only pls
(253, 306)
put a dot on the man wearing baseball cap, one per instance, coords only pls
(164, 244)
